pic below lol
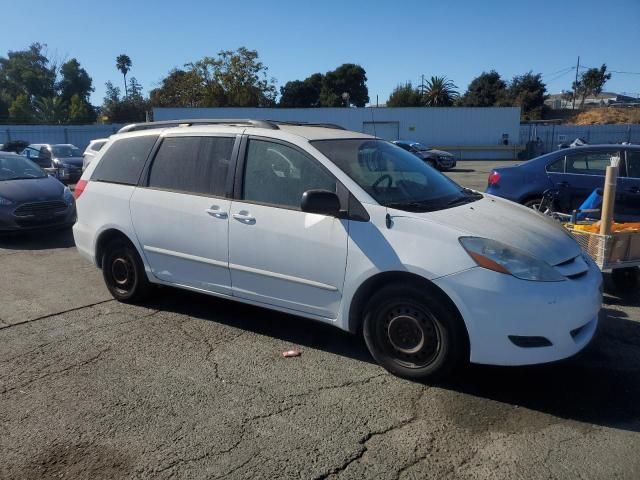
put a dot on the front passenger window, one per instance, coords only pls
(278, 175)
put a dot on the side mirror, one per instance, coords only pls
(322, 202)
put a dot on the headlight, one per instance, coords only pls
(5, 201)
(67, 195)
(501, 258)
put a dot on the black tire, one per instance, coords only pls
(534, 203)
(413, 333)
(124, 274)
(626, 280)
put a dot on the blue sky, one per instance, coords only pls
(394, 41)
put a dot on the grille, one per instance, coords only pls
(40, 208)
(573, 268)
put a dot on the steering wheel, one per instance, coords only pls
(382, 179)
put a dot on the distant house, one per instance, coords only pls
(558, 101)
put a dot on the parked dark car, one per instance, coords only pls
(63, 160)
(436, 158)
(576, 172)
(30, 199)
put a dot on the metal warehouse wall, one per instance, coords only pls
(467, 132)
(79, 135)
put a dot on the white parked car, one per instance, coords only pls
(339, 227)
(91, 151)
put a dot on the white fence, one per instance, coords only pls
(550, 136)
(79, 135)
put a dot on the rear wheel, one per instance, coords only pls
(124, 273)
(534, 203)
(413, 334)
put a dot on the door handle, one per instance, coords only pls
(633, 190)
(214, 211)
(244, 217)
(563, 184)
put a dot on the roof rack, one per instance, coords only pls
(134, 127)
(307, 124)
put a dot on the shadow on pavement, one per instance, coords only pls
(289, 328)
(41, 240)
(600, 386)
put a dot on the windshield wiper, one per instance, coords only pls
(22, 178)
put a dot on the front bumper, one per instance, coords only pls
(10, 222)
(496, 307)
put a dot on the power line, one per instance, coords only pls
(559, 71)
(611, 71)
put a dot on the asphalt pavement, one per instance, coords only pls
(189, 386)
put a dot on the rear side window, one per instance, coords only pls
(192, 164)
(124, 160)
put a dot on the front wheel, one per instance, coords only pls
(124, 273)
(414, 334)
(626, 280)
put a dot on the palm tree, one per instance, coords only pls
(123, 63)
(440, 92)
(49, 110)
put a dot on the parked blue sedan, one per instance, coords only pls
(577, 172)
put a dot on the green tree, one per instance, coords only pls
(80, 110)
(50, 110)
(21, 110)
(302, 93)
(486, 90)
(405, 96)
(129, 109)
(179, 89)
(75, 81)
(591, 82)
(235, 78)
(347, 78)
(439, 92)
(123, 63)
(528, 92)
(27, 72)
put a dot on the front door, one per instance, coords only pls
(279, 255)
(181, 215)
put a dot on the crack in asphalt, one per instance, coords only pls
(367, 438)
(92, 359)
(49, 315)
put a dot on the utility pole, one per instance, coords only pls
(422, 86)
(575, 85)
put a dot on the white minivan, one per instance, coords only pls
(339, 227)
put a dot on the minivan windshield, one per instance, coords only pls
(19, 168)
(65, 151)
(394, 177)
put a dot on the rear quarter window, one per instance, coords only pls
(124, 160)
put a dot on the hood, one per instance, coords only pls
(32, 190)
(509, 223)
(75, 161)
(436, 153)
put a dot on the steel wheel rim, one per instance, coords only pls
(122, 273)
(410, 334)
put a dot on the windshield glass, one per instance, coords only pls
(62, 151)
(14, 168)
(420, 147)
(394, 177)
